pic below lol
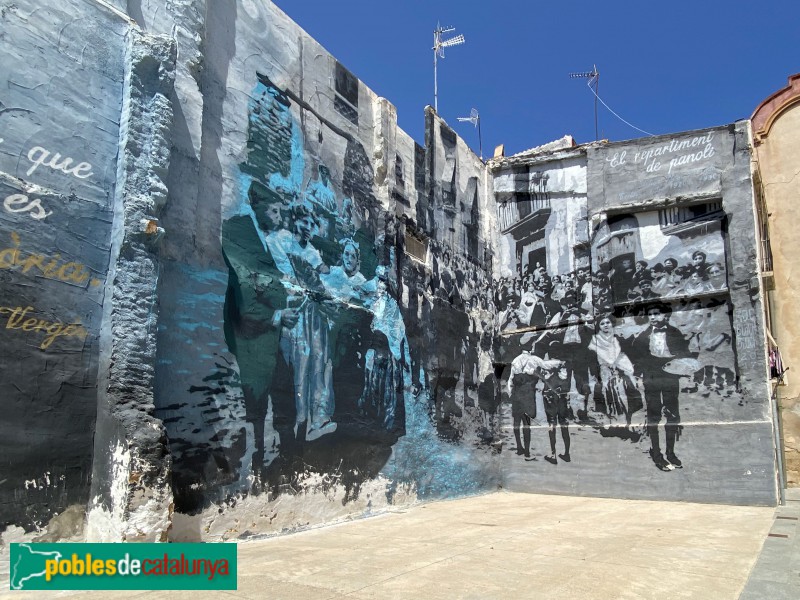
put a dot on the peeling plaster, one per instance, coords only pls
(315, 500)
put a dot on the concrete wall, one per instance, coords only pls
(59, 123)
(587, 390)
(273, 309)
(255, 324)
(776, 123)
(295, 381)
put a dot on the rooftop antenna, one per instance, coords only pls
(438, 52)
(594, 80)
(594, 76)
(475, 119)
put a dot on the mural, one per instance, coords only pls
(56, 184)
(674, 252)
(541, 211)
(611, 336)
(347, 319)
(51, 276)
(311, 309)
(348, 357)
(624, 377)
(624, 374)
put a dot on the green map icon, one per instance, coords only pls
(28, 564)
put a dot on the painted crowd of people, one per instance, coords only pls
(318, 333)
(595, 349)
(330, 318)
(453, 338)
(639, 281)
(532, 300)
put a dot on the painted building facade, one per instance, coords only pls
(631, 320)
(274, 309)
(775, 124)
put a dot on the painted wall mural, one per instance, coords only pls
(56, 185)
(348, 320)
(541, 212)
(329, 367)
(626, 355)
(317, 333)
(675, 252)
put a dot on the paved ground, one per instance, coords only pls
(776, 575)
(508, 545)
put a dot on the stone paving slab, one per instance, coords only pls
(776, 574)
(507, 545)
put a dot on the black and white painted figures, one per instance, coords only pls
(621, 396)
(526, 370)
(556, 399)
(663, 254)
(648, 323)
(662, 353)
(622, 376)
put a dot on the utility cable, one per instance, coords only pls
(615, 114)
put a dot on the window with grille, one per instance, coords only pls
(416, 247)
(678, 215)
(346, 100)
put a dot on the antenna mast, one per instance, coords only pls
(438, 52)
(594, 80)
(475, 119)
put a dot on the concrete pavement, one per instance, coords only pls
(507, 545)
(776, 574)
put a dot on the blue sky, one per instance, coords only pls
(664, 67)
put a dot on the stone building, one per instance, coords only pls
(775, 124)
(239, 300)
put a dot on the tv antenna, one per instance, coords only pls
(594, 78)
(438, 52)
(594, 82)
(475, 119)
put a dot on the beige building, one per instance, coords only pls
(776, 141)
